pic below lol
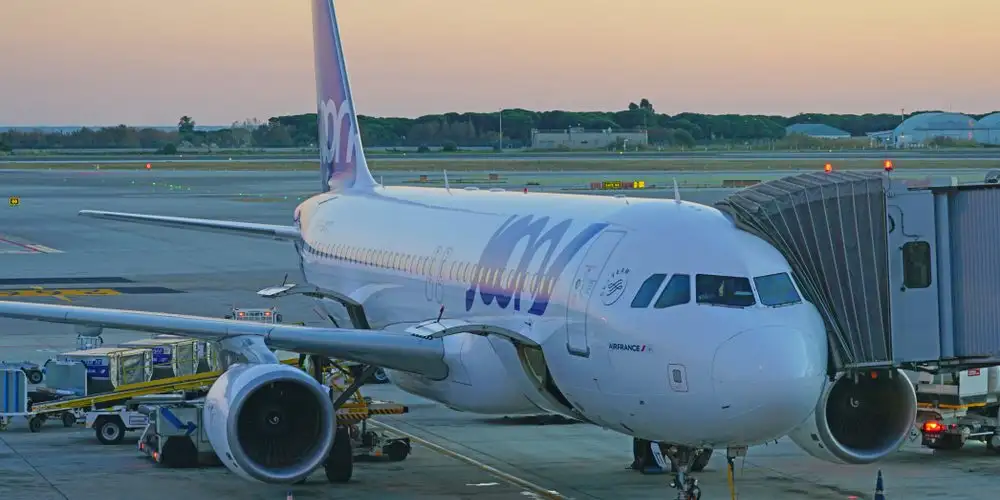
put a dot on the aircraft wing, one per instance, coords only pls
(396, 351)
(220, 226)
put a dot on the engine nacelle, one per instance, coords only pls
(859, 422)
(269, 422)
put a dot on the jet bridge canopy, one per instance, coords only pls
(831, 227)
(904, 274)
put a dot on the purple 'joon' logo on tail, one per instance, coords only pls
(340, 151)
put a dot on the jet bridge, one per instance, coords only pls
(905, 274)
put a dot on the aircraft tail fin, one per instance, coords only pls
(342, 157)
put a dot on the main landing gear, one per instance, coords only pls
(339, 465)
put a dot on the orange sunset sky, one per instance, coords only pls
(102, 62)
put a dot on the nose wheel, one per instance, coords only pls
(683, 459)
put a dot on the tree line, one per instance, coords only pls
(454, 130)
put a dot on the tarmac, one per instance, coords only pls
(45, 247)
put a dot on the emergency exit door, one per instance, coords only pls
(581, 290)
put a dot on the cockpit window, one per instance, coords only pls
(732, 291)
(776, 290)
(647, 290)
(677, 292)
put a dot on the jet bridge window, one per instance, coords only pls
(917, 264)
(731, 291)
(647, 290)
(677, 292)
(776, 290)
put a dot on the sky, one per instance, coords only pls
(146, 62)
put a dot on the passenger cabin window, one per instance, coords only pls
(917, 264)
(776, 290)
(677, 292)
(647, 290)
(730, 291)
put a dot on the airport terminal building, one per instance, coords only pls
(580, 138)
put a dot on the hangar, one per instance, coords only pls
(987, 130)
(917, 129)
(817, 130)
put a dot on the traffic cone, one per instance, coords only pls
(879, 489)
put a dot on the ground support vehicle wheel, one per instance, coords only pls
(35, 423)
(109, 430)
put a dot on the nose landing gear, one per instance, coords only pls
(683, 458)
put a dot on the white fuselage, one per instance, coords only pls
(562, 270)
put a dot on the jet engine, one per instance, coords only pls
(269, 422)
(859, 420)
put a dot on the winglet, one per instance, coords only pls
(342, 156)
(677, 191)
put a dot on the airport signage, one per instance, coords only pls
(615, 185)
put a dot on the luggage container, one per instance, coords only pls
(205, 351)
(110, 367)
(173, 356)
(13, 395)
(14, 402)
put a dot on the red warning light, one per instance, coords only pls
(828, 168)
(149, 166)
(525, 190)
(887, 165)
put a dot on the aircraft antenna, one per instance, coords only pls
(677, 191)
(447, 187)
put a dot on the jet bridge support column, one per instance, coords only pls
(945, 306)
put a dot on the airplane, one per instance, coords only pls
(654, 318)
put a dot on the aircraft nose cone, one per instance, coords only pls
(767, 381)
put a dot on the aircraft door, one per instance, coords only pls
(581, 289)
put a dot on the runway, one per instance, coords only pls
(976, 154)
(159, 269)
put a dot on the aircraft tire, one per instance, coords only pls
(339, 466)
